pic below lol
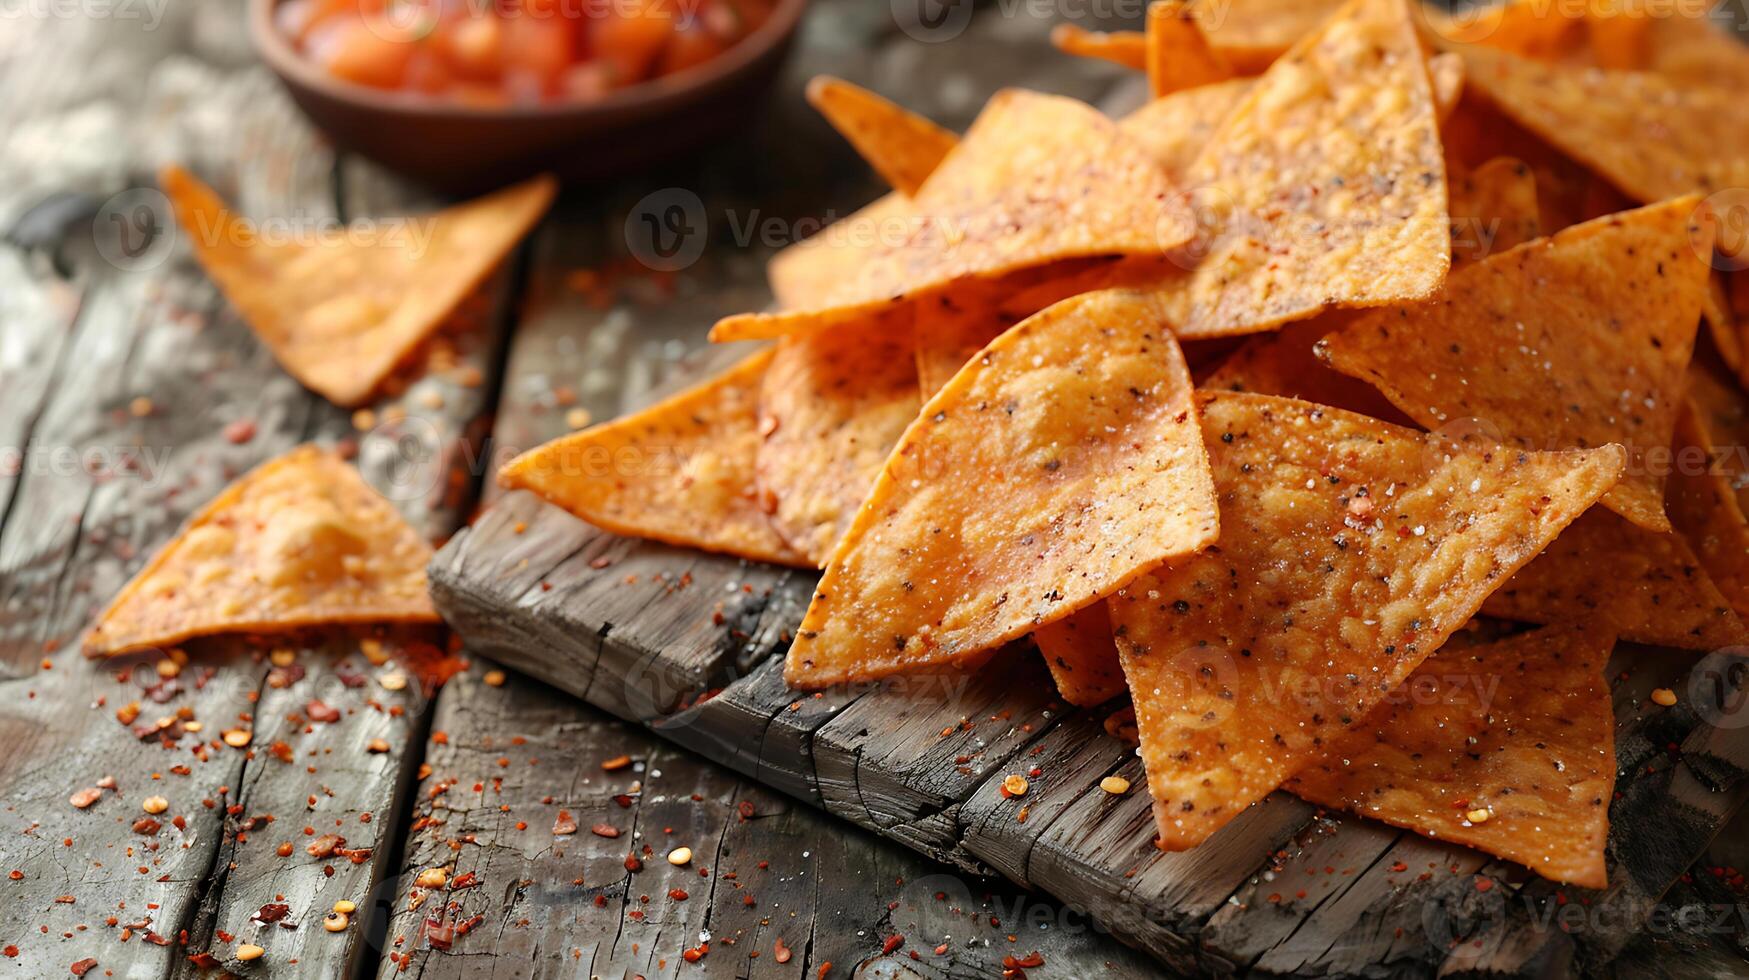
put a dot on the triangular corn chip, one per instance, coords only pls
(1173, 130)
(1349, 550)
(1689, 48)
(1528, 28)
(1566, 192)
(680, 471)
(1724, 418)
(901, 146)
(1179, 56)
(1648, 586)
(1493, 209)
(341, 311)
(1704, 508)
(1650, 137)
(1059, 464)
(804, 275)
(948, 337)
(1082, 656)
(1038, 179)
(1321, 190)
(1507, 747)
(830, 408)
(1722, 325)
(1126, 48)
(300, 541)
(1574, 341)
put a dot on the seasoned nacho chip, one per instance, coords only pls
(1493, 209)
(680, 471)
(300, 541)
(804, 274)
(948, 337)
(1704, 507)
(1529, 28)
(1507, 747)
(1282, 363)
(1082, 656)
(1065, 460)
(1574, 341)
(1126, 48)
(1692, 49)
(1179, 56)
(1252, 34)
(341, 311)
(1326, 186)
(1349, 550)
(1038, 179)
(830, 408)
(1173, 130)
(1650, 137)
(1649, 586)
(901, 146)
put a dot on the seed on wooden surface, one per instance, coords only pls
(377, 745)
(494, 678)
(577, 418)
(236, 738)
(617, 763)
(432, 878)
(336, 921)
(1664, 696)
(1015, 785)
(1478, 815)
(393, 681)
(249, 951)
(680, 856)
(155, 805)
(1115, 785)
(85, 797)
(168, 668)
(282, 657)
(346, 906)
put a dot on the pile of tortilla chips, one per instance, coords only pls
(1375, 320)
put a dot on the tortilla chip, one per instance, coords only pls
(901, 146)
(1650, 137)
(1521, 730)
(1720, 316)
(1575, 341)
(1173, 130)
(1620, 37)
(1704, 507)
(830, 408)
(804, 275)
(1322, 190)
(1252, 34)
(1446, 73)
(1126, 48)
(1478, 132)
(300, 541)
(1723, 422)
(1179, 57)
(1350, 549)
(341, 311)
(1060, 464)
(680, 471)
(1695, 50)
(1493, 209)
(1082, 656)
(1650, 587)
(1528, 28)
(1037, 179)
(948, 337)
(1282, 363)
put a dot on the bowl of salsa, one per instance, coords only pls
(467, 94)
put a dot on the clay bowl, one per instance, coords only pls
(466, 149)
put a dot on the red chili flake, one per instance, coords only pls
(893, 942)
(10, 951)
(780, 951)
(466, 879)
(633, 864)
(566, 825)
(239, 431)
(319, 711)
(147, 826)
(696, 953)
(677, 894)
(604, 830)
(271, 912)
(82, 967)
(1484, 884)
(439, 933)
(1031, 961)
(616, 763)
(745, 808)
(206, 961)
(624, 801)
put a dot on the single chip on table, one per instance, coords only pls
(901, 146)
(1578, 340)
(831, 405)
(1649, 136)
(680, 471)
(1082, 656)
(1349, 550)
(300, 541)
(1179, 56)
(1325, 188)
(1493, 209)
(1062, 462)
(1038, 179)
(1705, 510)
(341, 311)
(1648, 585)
(1507, 747)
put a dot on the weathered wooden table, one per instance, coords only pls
(130, 393)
